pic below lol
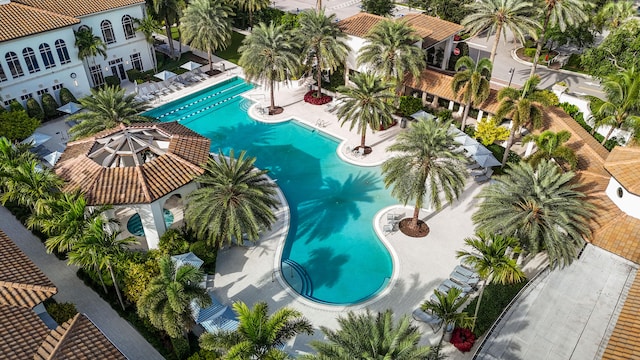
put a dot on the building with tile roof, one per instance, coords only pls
(38, 53)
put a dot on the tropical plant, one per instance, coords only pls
(34, 110)
(496, 16)
(426, 165)
(89, 45)
(235, 201)
(206, 25)
(259, 336)
(169, 11)
(615, 13)
(324, 43)
(166, 301)
(66, 97)
(12, 155)
(17, 125)
(50, 106)
(366, 105)
(489, 131)
(28, 184)
(550, 146)
(621, 109)
(540, 207)
(447, 307)
(522, 106)
(471, 83)
(106, 108)
(379, 7)
(148, 26)
(252, 6)
(371, 336)
(268, 56)
(390, 51)
(491, 257)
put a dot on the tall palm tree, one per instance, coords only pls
(448, 308)
(615, 13)
(324, 43)
(268, 56)
(558, 13)
(540, 207)
(496, 16)
(522, 106)
(490, 257)
(28, 184)
(252, 6)
(169, 11)
(371, 336)
(89, 46)
(166, 301)
(11, 155)
(259, 335)
(550, 146)
(390, 51)
(106, 108)
(426, 165)
(206, 25)
(367, 105)
(471, 83)
(148, 26)
(235, 200)
(621, 109)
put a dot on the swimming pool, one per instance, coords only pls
(332, 254)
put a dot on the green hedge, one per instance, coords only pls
(409, 105)
(34, 110)
(173, 242)
(66, 97)
(112, 80)
(50, 106)
(60, 312)
(495, 299)
(578, 116)
(15, 105)
(530, 52)
(17, 125)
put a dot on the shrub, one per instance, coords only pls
(206, 253)
(60, 312)
(462, 339)
(34, 110)
(489, 131)
(173, 242)
(409, 105)
(495, 299)
(137, 274)
(570, 109)
(112, 80)
(310, 97)
(180, 347)
(204, 355)
(444, 115)
(66, 97)
(50, 106)
(15, 105)
(133, 75)
(530, 52)
(498, 153)
(17, 125)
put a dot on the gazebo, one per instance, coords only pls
(139, 167)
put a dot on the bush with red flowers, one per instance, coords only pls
(462, 339)
(311, 98)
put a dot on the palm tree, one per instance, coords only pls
(490, 257)
(258, 335)
(28, 184)
(368, 104)
(268, 56)
(522, 106)
(168, 10)
(206, 26)
(426, 165)
(371, 336)
(550, 146)
(540, 207)
(166, 301)
(447, 307)
(99, 247)
(89, 45)
(622, 107)
(324, 43)
(471, 83)
(390, 51)
(252, 6)
(615, 13)
(558, 13)
(235, 200)
(11, 155)
(496, 16)
(106, 108)
(148, 26)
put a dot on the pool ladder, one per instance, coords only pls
(307, 286)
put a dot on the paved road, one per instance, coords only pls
(71, 289)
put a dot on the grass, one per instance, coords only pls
(231, 52)
(495, 299)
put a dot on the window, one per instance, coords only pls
(127, 25)
(136, 61)
(63, 54)
(83, 28)
(26, 96)
(42, 91)
(96, 75)
(14, 64)
(3, 76)
(8, 102)
(57, 87)
(47, 56)
(30, 59)
(107, 32)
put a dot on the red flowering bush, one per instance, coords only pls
(311, 98)
(462, 339)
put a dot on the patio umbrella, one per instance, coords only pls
(422, 115)
(36, 139)
(70, 108)
(187, 259)
(53, 157)
(476, 149)
(486, 160)
(164, 75)
(465, 140)
(190, 65)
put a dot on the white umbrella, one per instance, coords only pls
(190, 65)
(53, 157)
(486, 160)
(465, 140)
(187, 259)
(70, 108)
(422, 115)
(36, 139)
(164, 75)
(476, 149)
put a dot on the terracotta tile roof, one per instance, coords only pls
(26, 20)
(78, 339)
(187, 152)
(21, 282)
(624, 164)
(21, 332)
(77, 8)
(624, 344)
(360, 24)
(440, 29)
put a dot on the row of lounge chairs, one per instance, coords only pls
(152, 90)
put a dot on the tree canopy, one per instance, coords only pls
(618, 50)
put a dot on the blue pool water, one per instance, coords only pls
(332, 254)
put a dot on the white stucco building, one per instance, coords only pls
(37, 51)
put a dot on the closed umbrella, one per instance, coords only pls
(164, 75)
(53, 157)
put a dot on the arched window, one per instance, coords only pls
(3, 76)
(127, 25)
(83, 28)
(63, 54)
(47, 56)
(14, 64)
(107, 32)
(30, 59)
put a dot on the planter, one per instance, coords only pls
(463, 339)
(310, 97)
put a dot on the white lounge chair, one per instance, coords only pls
(388, 228)
(466, 272)
(428, 318)
(464, 280)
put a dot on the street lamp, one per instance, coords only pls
(511, 72)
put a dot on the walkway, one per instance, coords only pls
(72, 289)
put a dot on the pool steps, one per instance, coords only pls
(307, 286)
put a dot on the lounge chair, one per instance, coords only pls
(466, 272)
(394, 216)
(484, 177)
(464, 280)
(333, 106)
(428, 318)
(448, 284)
(388, 228)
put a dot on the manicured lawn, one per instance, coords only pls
(231, 52)
(496, 297)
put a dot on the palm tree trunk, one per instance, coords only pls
(494, 49)
(273, 99)
(414, 219)
(362, 138)
(251, 19)
(444, 331)
(210, 60)
(507, 148)
(319, 77)
(167, 28)
(179, 40)
(475, 314)
(97, 270)
(318, 5)
(539, 44)
(115, 284)
(608, 134)
(467, 107)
